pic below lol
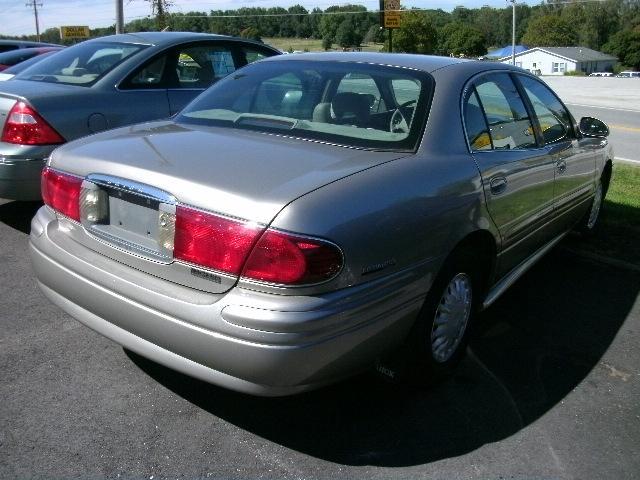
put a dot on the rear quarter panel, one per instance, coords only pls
(408, 213)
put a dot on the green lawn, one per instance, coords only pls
(312, 45)
(618, 234)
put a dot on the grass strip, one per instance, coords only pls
(618, 232)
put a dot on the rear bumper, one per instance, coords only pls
(20, 178)
(247, 341)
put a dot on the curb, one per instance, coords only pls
(613, 262)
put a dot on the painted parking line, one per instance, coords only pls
(624, 127)
(604, 108)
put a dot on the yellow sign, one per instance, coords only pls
(392, 13)
(74, 32)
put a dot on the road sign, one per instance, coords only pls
(391, 13)
(74, 32)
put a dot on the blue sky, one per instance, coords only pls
(18, 19)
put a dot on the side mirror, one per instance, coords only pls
(593, 128)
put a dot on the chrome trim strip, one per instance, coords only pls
(500, 287)
(135, 188)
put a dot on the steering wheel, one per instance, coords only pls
(398, 123)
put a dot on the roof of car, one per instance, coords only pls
(27, 44)
(427, 63)
(159, 38)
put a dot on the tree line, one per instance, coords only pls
(612, 26)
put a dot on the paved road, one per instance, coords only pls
(616, 101)
(624, 126)
(550, 390)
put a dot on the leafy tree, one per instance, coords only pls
(626, 46)
(347, 34)
(375, 34)
(416, 34)
(327, 41)
(551, 31)
(462, 39)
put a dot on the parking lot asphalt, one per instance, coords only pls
(550, 389)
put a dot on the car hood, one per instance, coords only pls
(244, 174)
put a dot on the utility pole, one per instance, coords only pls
(119, 17)
(513, 33)
(35, 5)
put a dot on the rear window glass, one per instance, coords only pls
(83, 64)
(351, 104)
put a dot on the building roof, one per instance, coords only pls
(505, 51)
(574, 54)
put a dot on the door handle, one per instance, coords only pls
(498, 185)
(561, 166)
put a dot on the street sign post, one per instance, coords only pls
(390, 17)
(392, 13)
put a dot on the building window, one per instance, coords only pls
(535, 65)
(559, 67)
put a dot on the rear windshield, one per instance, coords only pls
(83, 64)
(345, 103)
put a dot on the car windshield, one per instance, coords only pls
(345, 103)
(83, 64)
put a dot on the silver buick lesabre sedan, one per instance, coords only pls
(311, 216)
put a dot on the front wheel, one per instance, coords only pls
(590, 220)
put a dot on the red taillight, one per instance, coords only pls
(61, 192)
(291, 260)
(25, 126)
(225, 245)
(213, 241)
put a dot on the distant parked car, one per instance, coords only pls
(314, 215)
(11, 72)
(14, 57)
(601, 74)
(6, 45)
(628, 74)
(105, 83)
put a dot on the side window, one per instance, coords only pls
(509, 123)
(405, 91)
(149, 76)
(253, 55)
(201, 66)
(280, 96)
(553, 118)
(475, 124)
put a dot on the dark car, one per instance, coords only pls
(6, 45)
(105, 83)
(14, 57)
(313, 215)
(11, 72)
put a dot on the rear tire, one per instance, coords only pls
(438, 339)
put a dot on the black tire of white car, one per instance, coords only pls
(438, 339)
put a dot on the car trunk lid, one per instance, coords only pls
(146, 170)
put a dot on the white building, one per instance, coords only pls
(557, 60)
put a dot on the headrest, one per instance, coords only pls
(349, 106)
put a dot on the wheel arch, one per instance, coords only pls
(480, 248)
